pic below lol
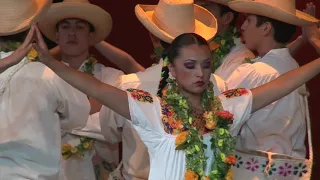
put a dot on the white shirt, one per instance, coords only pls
(279, 127)
(116, 128)
(233, 59)
(35, 105)
(82, 168)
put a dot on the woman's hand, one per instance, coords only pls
(24, 49)
(41, 47)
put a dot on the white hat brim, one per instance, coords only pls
(17, 27)
(205, 23)
(299, 18)
(99, 18)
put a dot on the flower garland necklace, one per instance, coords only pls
(14, 45)
(10, 46)
(86, 143)
(222, 45)
(191, 141)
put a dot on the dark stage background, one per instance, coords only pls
(129, 35)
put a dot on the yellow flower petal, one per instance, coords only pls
(32, 55)
(182, 138)
(229, 175)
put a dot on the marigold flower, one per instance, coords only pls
(191, 175)
(210, 125)
(182, 138)
(32, 55)
(213, 45)
(207, 115)
(66, 147)
(229, 175)
(177, 124)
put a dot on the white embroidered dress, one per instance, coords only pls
(116, 128)
(166, 163)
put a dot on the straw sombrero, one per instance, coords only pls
(223, 2)
(171, 18)
(281, 10)
(18, 15)
(80, 9)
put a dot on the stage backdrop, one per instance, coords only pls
(128, 34)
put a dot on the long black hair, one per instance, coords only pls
(173, 51)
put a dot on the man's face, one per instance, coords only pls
(74, 36)
(252, 35)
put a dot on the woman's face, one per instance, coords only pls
(192, 68)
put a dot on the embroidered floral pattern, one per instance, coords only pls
(272, 169)
(170, 125)
(140, 95)
(239, 161)
(252, 164)
(235, 92)
(285, 169)
(278, 169)
(300, 169)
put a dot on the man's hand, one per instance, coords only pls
(311, 32)
(311, 10)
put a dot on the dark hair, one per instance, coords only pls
(91, 27)
(164, 44)
(173, 51)
(226, 9)
(283, 32)
(15, 37)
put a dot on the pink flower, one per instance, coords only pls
(226, 115)
(285, 170)
(252, 164)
